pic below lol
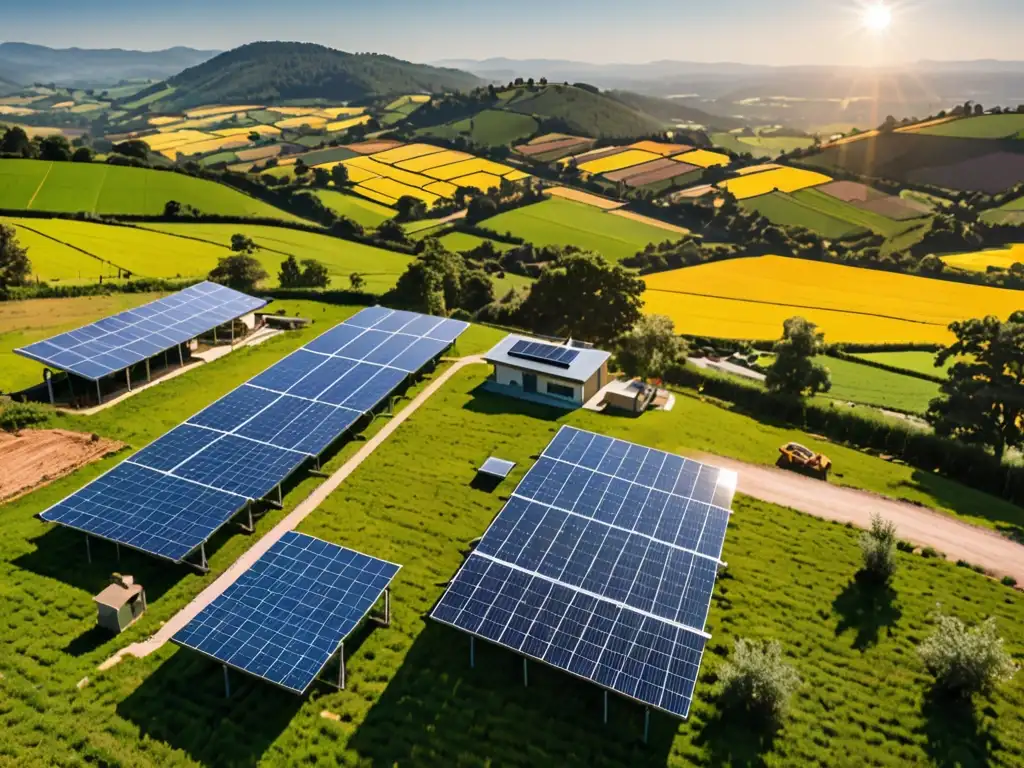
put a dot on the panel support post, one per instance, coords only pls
(88, 550)
(181, 357)
(227, 683)
(606, 706)
(202, 560)
(252, 528)
(526, 679)
(341, 667)
(232, 334)
(472, 652)
(48, 378)
(647, 723)
(99, 394)
(215, 334)
(280, 495)
(387, 606)
(128, 377)
(117, 548)
(149, 375)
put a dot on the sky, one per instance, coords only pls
(783, 32)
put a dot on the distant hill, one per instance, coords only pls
(26, 64)
(585, 112)
(673, 111)
(272, 71)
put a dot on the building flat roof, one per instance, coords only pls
(586, 363)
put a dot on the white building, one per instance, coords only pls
(553, 374)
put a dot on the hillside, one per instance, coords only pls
(25, 63)
(585, 112)
(268, 72)
(673, 111)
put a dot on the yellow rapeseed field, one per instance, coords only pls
(405, 152)
(373, 195)
(584, 197)
(781, 179)
(432, 160)
(396, 189)
(207, 111)
(757, 168)
(750, 298)
(980, 261)
(262, 130)
(344, 125)
(355, 173)
(199, 122)
(164, 120)
(466, 167)
(347, 111)
(618, 161)
(388, 171)
(162, 141)
(516, 176)
(296, 111)
(313, 121)
(481, 181)
(703, 158)
(442, 188)
(202, 147)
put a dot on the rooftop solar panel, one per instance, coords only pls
(117, 342)
(286, 615)
(551, 354)
(497, 467)
(602, 564)
(247, 442)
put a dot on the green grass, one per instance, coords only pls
(1008, 213)
(105, 189)
(882, 225)
(219, 157)
(362, 211)
(462, 241)
(412, 698)
(785, 210)
(872, 386)
(922, 362)
(25, 322)
(982, 127)
(564, 222)
(491, 127)
(760, 146)
(379, 267)
(150, 99)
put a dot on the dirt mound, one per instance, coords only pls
(35, 457)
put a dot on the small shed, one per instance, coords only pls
(630, 395)
(120, 604)
(563, 375)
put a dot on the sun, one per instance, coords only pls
(877, 17)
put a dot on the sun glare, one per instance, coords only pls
(877, 17)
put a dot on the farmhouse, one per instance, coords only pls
(553, 374)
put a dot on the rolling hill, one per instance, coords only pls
(584, 111)
(274, 71)
(25, 63)
(673, 111)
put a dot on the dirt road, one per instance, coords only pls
(959, 540)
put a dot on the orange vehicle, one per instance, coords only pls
(802, 458)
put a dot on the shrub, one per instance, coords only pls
(929, 552)
(878, 546)
(1009, 581)
(905, 546)
(757, 679)
(15, 416)
(966, 660)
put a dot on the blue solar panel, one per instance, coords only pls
(286, 615)
(550, 354)
(251, 439)
(117, 342)
(602, 563)
(497, 467)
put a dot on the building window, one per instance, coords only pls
(561, 390)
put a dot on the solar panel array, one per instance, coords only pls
(117, 342)
(286, 615)
(551, 354)
(168, 498)
(602, 564)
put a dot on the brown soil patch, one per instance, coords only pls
(851, 191)
(35, 457)
(639, 170)
(259, 153)
(596, 154)
(895, 208)
(669, 172)
(652, 222)
(372, 147)
(584, 197)
(548, 146)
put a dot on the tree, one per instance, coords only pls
(314, 274)
(82, 155)
(979, 110)
(794, 371)
(16, 142)
(254, 136)
(356, 281)
(240, 271)
(133, 148)
(392, 231)
(966, 660)
(410, 208)
(15, 266)
(982, 401)
(583, 296)
(55, 148)
(243, 244)
(480, 207)
(758, 680)
(878, 548)
(321, 177)
(301, 169)
(290, 275)
(650, 348)
(477, 291)
(345, 227)
(339, 175)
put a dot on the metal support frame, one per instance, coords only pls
(99, 394)
(149, 375)
(387, 606)
(227, 683)
(232, 334)
(526, 679)
(117, 548)
(606, 706)
(251, 528)
(88, 550)
(341, 667)
(472, 652)
(48, 378)
(181, 357)
(647, 723)
(215, 335)
(202, 566)
(128, 377)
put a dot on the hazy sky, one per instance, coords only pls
(754, 31)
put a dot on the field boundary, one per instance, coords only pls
(74, 247)
(42, 181)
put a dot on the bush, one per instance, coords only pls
(966, 660)
(929, 552)
(15, 416)
(905, 546)
(878, 546)
(757, 679)
(1009, 581)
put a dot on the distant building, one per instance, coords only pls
(553, 374)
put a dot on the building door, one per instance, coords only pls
(529, 382)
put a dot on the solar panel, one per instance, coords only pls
(247, 442)
(285, 616)
(602, 564)
(497, 467)
(117, 342)
(550, 354)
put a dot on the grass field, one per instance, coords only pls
(787, 211)
(759, 146)
(751, 298)
(882, 225)
(25, 322)
(563, 222)
(982, 127)
(462, 241)
(379, 267)
(866, 385)
(922, 362)
(412, 698)
(362, 211)
(491, 127)
(105, 189)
